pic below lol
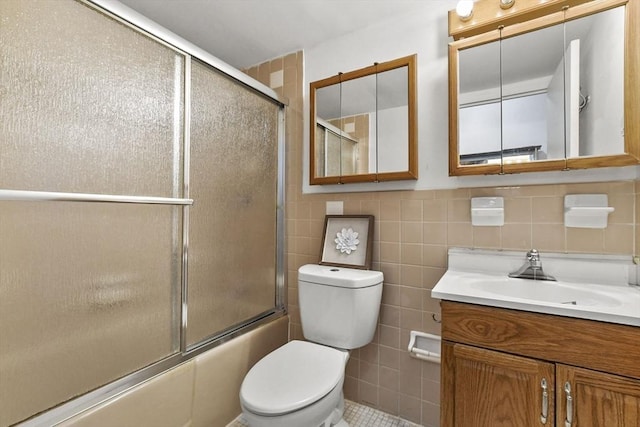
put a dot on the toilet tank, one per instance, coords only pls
(339, 306)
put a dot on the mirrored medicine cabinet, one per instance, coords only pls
(363, 125)
(555, 92)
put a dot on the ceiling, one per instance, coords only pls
(248, 32)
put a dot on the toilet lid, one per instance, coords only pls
(292, 377)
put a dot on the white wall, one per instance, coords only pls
(425, 34)
(392, 129)
(555, 110)
(603, 81)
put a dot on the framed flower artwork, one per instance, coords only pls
(347, 241)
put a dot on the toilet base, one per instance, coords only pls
(327, 412)
(335, 419)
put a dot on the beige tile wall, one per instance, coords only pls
(413, 232)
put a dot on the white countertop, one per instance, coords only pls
(588, 287)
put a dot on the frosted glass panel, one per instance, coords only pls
(232, 237)
(88, 104)
(88, 294)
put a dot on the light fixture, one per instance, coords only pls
(506, 4)
(464, 9)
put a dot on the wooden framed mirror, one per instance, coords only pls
(363, 125)
(552, 92)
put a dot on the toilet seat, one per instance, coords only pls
(292, 377)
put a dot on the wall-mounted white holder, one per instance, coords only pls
(586, 210)
(487, 211)
(425, 346)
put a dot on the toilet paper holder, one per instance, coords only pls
(425, 346)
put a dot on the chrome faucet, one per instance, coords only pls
(532, 268)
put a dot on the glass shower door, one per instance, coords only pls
(233, 179)
(89, 292)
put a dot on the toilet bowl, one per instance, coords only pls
(300, 383)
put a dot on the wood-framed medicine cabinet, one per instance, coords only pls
(363, 125)
(544, 86)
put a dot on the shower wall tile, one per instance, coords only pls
(413, 232)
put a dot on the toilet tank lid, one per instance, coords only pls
(339, 276)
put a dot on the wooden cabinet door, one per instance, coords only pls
(597, 399)
(492, 389)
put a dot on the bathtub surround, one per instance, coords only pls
(414, 230)
(201, 392)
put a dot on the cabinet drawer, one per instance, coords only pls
(601, 346)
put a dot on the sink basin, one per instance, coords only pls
(546, 292)
(588, 286)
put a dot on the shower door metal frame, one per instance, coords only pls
(143, 25)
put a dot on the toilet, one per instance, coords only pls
(300, 383)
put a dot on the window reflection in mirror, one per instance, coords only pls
(479, 115)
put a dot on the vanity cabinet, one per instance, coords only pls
(599, 399)
(513, 368)
(494, 388)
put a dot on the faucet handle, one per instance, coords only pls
(533, 257)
